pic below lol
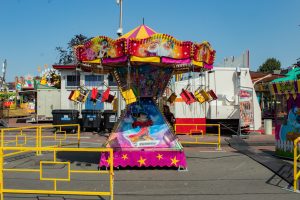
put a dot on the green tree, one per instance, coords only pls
(269, 65)
(297, 64)
(66, 56)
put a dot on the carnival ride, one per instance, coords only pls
(285, 93)
(143, 62)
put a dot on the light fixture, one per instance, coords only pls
(238, 70)
(201, 74)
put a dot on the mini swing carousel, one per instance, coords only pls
(143, 62)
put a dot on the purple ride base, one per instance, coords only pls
(152, 158)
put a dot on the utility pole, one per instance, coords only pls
(120, 33)
(120, 29)
(2, 78)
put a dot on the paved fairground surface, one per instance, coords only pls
(211, 174)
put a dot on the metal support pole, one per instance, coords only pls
(238, 87)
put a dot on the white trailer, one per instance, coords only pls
(227, 83)
(47, 100)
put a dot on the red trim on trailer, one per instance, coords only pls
(64, 66)
(186, 129)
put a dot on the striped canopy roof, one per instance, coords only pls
(139, 32)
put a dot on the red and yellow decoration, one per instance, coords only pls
(100, 47)
(139, 32)
(203, 53)
(143, 44)
(160, 45)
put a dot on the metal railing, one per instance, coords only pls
(35, 136)
(4, 188)
(195, 128)
(296, 158)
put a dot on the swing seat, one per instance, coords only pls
(212, 94)
(105, 95)
(205, 95)
(192, 98)
(110, 98)
(187, 96)
(74, 95)
(95, 95)
(129, 96)
(172, 97)
(82, 97)
(184, 95)
(71, 95)
(199, 97)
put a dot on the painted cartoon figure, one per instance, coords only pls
(167, 49)
(291, 130)
(156, 48)
(103, 49)
(143, 122)
(153, 48)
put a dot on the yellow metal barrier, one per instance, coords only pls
(197, 137)
(56, 137)
(296, 158)
(55, 190)
(35, 136)
(19, 137)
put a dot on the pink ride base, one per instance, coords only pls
(146, 158)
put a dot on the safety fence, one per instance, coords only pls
(39, 136)
(55, 174)
(296, 159)
(200, 134)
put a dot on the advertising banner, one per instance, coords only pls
(246, 107)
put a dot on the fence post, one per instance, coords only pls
(219, 137)
(78, 135)
(1, 172)
(40, 140)
(37, 140)
(296, 164)
(111, 169)
(2, 138)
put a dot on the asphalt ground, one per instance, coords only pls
(211, 174)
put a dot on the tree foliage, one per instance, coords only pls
(269, 65)
(297, 64)
(66, 55)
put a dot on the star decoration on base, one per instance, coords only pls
(174, 161)
(142, 161)
(159, 156)
(124, 157)
(108, 160)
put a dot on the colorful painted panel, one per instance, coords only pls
(145, 81)
(160, 45)
(290, 130)
(204, 53)
(143, 126)
(99, 48)
(246, 106)
(286, 87)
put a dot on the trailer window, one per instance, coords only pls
(94, 80)
(73, 81)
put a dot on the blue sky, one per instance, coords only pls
(31, 29)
